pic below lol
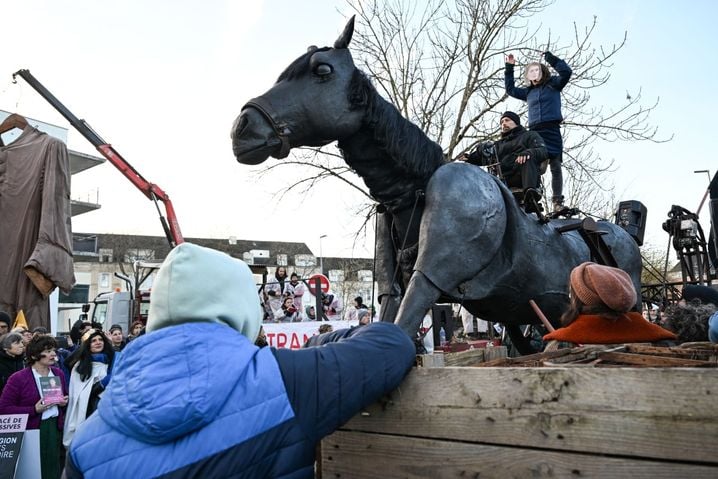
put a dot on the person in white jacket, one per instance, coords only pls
(297, 289)
(91, 372)
(333, 306)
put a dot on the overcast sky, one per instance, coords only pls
(163, 80)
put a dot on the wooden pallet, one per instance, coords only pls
(549, 421)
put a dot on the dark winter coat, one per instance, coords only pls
(544, 101)
(513, 144)
(9, 365)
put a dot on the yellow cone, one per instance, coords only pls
(20, 320)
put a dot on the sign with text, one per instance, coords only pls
(12, 428)
(294, 335)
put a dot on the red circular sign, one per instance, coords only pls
(312, 282)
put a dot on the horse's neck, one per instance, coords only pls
(391, 154)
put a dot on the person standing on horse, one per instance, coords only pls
(543, 96)
(519, 152)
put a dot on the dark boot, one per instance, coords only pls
(532, 201)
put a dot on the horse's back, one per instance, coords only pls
(477, 244)
(464, 214)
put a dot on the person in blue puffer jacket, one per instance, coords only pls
(543, 96)
(196, 398)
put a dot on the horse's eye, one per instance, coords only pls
(323, 69)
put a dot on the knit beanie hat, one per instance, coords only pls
(5, 318)
(197, 284)
(597, 285)
(513, 116)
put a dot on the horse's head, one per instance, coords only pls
(314, 101)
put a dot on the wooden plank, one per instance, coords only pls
(652, 361)
(469, 357)
(362, 455)
(435, 360)
(495, 352)
(676, 352)
(664, 413)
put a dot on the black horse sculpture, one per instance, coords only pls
(446, 231)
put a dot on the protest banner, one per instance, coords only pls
(12, 430)
(294, 335)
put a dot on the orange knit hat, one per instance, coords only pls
(597, 285)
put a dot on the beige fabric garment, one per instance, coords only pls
(35, 230)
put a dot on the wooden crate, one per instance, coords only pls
(556, 422)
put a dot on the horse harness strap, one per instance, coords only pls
(410, 199)
(280, 128)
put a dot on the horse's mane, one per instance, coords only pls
(300, 66)
(399, 137)
(402, 140)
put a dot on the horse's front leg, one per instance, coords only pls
(421, 294)
(389, 289)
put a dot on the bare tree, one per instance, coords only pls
(655, 264)
(442, 65)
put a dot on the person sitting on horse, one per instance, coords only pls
(543, 97)
(519, 153)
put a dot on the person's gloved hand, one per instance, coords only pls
(550, 57)
(97, 388)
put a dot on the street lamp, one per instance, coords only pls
(321, 259)
(707, 172)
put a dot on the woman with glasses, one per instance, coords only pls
(23, 395)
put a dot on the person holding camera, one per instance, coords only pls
(288, 312)
(519, 154)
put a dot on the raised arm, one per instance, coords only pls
(509, 83)
(327, 385)
(564, 71)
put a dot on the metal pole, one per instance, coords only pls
(321, 257)
(705, 196)
(318, 304)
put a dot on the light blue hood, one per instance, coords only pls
(197, 284)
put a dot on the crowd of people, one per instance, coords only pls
(166, 409)
(80, 369)
(142, 390)
(282, 302)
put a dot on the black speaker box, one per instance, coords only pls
(631, 216)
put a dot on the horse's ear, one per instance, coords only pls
(346, 36)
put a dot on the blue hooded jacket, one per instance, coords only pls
(544, 101)
(198, 399)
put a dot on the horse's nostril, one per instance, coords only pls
(242, 123)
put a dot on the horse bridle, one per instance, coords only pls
(281, 129)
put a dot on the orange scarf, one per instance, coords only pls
(594, 329)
